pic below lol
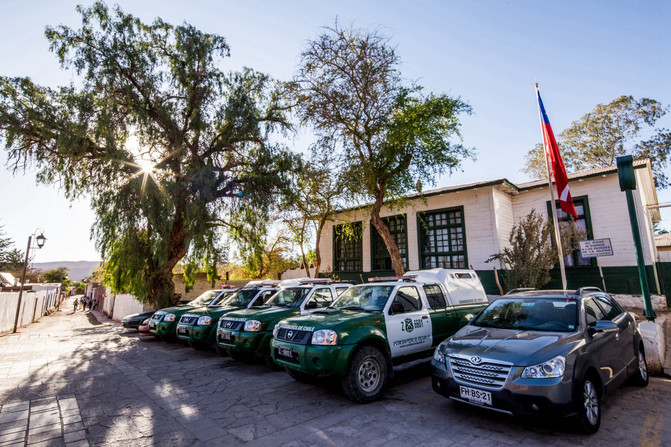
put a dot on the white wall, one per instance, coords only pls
(491, 211)
(125, 304)
(34, 304)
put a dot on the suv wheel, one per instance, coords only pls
(588, 406)
(640, 377)
(366, 375)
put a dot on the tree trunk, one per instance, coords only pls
(318, 253)
(162, 286)
(383, 231)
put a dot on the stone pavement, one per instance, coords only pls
(74, 379)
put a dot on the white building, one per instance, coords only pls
(462, 226)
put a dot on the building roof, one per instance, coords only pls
(506, 184)
(663, 240)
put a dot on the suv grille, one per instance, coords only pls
(299, 337)
(231, 325)
(487, 373)
(188, 319)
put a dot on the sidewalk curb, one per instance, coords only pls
(103, 319)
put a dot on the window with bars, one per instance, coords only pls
(582, 223)
(381, 260)
(347, 252)
(442, 239)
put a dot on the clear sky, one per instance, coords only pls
(582, 53)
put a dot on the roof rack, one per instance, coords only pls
(520, 289)
(315, 281)
(582, 290)
(392, 278)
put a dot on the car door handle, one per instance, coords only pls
(448, 314)
(425, 317)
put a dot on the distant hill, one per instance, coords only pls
(78, 269)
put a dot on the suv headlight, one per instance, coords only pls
(439, 355)
(552, 368)
(325, 337)
(169, 317)
(275, 330)
(252, 326)
(204, 321)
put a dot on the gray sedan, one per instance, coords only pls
(543, 352)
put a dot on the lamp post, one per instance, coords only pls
(39, 240)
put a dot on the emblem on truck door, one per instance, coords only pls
(408, 325)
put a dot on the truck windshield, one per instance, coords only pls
(223, 296)
(530, 314)
(205, 298)
(289, 297)
(241, 298)
(364, 298)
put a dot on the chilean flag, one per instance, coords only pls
(554, 160)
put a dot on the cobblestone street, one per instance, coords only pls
(72, 380)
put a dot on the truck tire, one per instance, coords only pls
(366, 375)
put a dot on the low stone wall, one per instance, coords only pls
(636, 301)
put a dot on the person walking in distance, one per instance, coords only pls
(75, 303)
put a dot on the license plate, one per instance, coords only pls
(181, 330)
(285, 351)
(226, 336)
(473, 395)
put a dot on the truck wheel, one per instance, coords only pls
(366, 375)
(640, 377)
(588, 405)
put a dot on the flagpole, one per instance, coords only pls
(553, 205)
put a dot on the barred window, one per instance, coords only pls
(443, 239)
(381, 260)
(347, 253)
(582, 223)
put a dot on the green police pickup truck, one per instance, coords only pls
(197, 327)
(162, 324)
(377, 326)
(249, 331)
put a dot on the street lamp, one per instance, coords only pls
(39, 240)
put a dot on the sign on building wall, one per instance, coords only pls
(596, 248)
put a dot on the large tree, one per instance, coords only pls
(318, 191)
(155, 133)
(392, 137)
(623, 126)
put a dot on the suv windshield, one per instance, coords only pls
(535, 314)
(289, 297)
(242, 298)
(364, 298)
(205, 298)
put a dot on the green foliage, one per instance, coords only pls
(609, 131)
(390, 136)
(55, 275)
(531, 254)
(151, 92)
(11, 259)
